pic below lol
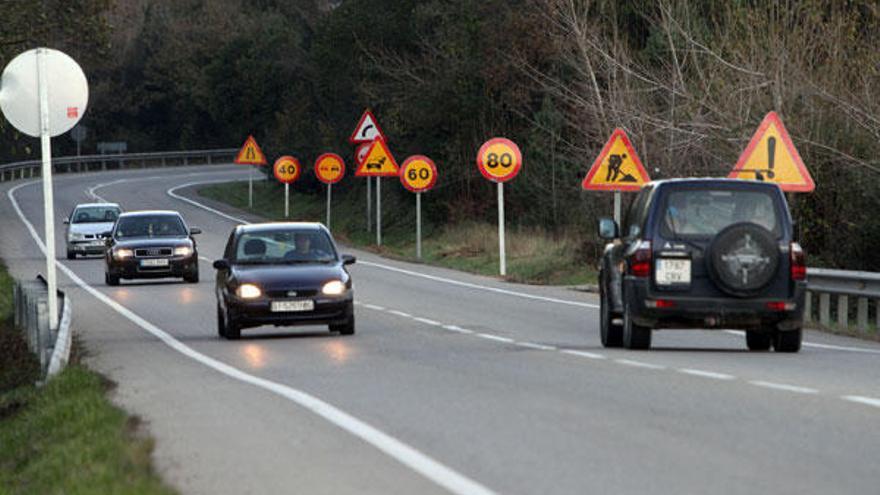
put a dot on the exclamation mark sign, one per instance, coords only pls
(771, 156)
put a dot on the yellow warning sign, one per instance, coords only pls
(250, 153)
(378, 163)
(772, 157)
(617, 168)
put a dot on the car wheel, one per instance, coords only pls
(233, 330)
(192, 278)
(71, 255)
(788, 341)
(635, 336)
(757, 340)
(346, 328)
(111, 279)
(610, 334)
(221, 322)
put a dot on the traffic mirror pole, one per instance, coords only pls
(501, 254)
(378, 211)
(419, 225)
(48, 199)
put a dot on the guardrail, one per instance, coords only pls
(31, 301)
(90, 163)
(847, 286)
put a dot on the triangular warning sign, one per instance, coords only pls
(772, 157)
(367, 129)
(250, 153)
(617, 168)
(378, 163)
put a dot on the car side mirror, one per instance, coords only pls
(195, 231)
(608, 229)
(348, 259)
(67, 221)
(221, 264)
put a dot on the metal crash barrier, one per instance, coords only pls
(855, 292)
(52, 347)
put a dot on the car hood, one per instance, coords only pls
(90, 227)
(300, 276)
(140, 242)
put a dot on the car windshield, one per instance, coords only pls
(702, 213)
(150, 226)
(95, 214)
(284, 245)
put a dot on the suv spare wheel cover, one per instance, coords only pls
(743, 259)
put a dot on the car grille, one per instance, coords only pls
(152, 252)
(287, 293)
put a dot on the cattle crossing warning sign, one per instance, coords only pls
(617, 168)
(250, 153)
(379, 162)
(772, 157)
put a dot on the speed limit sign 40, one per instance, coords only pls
(287, 169)
(418, 173)
(499, 159)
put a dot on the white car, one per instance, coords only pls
(86, 224)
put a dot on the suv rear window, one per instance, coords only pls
(705, 212)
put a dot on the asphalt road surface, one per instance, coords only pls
(453, 382)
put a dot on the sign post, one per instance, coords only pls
(250, 154)
(359, 156)
(329, 168)
(378, 162)
(365, 132)
(617, 168)
(418, 174)
(44, 93)
(286, 170)
(500, 160)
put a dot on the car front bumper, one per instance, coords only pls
(86, 247)
(327, 311)
(131, 268)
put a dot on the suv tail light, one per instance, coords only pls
(640, 263)
(798, 262)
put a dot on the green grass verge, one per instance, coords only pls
(63, 437)
(533, 255)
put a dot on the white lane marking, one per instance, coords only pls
(860, 399)
(489, 336)
(94, 195)
(785, 387)
(455, 328)
(215, 211)
(375, 307)
(532, 345)
(829, 347)
(639, 364)
(589, 355)
(427, 321)
(403, 453)
(706, 374)
(400, 313)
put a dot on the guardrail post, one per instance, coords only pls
(44, 334)
(843, 311)
(808, 307)
(825, 308)
(862, 314)
(209, 159)
(185, 161)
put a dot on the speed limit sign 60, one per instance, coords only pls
(499, 159)
(418, 173)
(286, 169)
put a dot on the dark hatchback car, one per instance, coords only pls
(151, 244)
(703, 253)
(283, 274)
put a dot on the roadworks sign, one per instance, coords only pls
(378, 163)
(617, 168)
(250, 153)
(772, 157)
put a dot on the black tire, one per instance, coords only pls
(610, 334)
(71, 255)
(192, 278)
(233, 329)
(743, 259)
(635, 336)
(221, 322)
(112, 280)
(757, 340)
(346, 328)
(788, 341)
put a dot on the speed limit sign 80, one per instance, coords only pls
(418, 173)
(499, 159)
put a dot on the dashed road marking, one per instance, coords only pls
(782, 386)
(585, 354)
(427, 321)
(373, 306)
(400, 313)
(706, 374)
(532, 345)
(639, 364)
(489, 336)
(456, 328)
(860, 399)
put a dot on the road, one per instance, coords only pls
(453, 383)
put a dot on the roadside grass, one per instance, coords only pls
(533, 255)
(64, 436)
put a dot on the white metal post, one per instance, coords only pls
(251, 187)
(501, 253)
(378, 211)
(48, 199)
(419, 225)
(329, 194)
(369, 205)
(286, 200)
(617, 207)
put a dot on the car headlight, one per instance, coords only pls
(123, 253)
(183, 251)
(77, 237)
(248, 291)
(333, 288)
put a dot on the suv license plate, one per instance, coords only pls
(155, 262)
(289, 306)
(673, 271)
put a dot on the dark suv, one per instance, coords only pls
(703, 253)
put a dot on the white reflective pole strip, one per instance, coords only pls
(419, 225)
(501, 255)
(378, 211)
(48, 199)
(329, 193)
(617, 207)
(286, 200)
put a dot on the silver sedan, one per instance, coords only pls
(86, 224)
